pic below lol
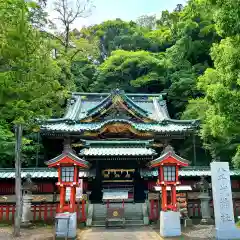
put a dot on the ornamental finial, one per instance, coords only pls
(117, 91)
(67, 145)
(167, 149)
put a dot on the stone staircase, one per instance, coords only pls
(133, 214)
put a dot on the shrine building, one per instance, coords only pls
(118, 134)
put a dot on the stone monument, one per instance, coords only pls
(222, 199)
(28, 187)
(204, 197)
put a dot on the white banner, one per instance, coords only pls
(115, 195)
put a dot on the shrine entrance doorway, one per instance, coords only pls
(116, 176)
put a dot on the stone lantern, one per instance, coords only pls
(203, 185)
(27, 189)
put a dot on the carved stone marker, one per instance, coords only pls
(222, 200)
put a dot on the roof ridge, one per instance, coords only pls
(128, 94)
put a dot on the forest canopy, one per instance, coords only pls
(191, 53)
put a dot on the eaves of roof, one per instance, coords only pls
(148, 127)
(117, 151)
(39, 173)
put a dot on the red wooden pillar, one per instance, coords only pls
(164, 198)
(62, 198)
(174, 197)
(83, 210)
(73, 199)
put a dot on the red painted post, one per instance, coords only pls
(174, 198)
(83, 210)
(157, 209)
(151, 209)
(7, 213)
(164, 198)
(51, 211)
(45, 212)
(34, 212)
(13, 212)
(40, 211)
(1, 213)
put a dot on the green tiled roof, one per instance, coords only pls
(117, 151)
(149, 127)
(8, 173)
(117, 142)
(187, 172)
(84, 105)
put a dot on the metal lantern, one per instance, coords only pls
(168, 164)
(68, 165)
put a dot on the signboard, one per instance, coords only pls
(68, 194)
(79, 191)
(153, 196)
(115, 195)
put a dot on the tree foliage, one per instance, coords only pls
(29, 76)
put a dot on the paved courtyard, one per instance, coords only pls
(196, 232)
(140, 233)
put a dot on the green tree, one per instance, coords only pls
(29, 76)
(130, 71)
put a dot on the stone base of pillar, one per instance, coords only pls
(187, 222)
(26, 224)
(26, 211)
(145, 214)
(170, 225)
(89, 215)
(232, 232)
(66, 226)
(207, 221)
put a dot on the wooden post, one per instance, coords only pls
(174, 198)
(164, 198)
(18, 190)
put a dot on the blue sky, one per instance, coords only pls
(124, 9)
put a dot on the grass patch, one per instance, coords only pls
(5, 225)
(238, 223)
(43, 224)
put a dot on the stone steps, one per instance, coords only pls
(133, 214)
(130, 223)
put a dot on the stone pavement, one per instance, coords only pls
(138, 233)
